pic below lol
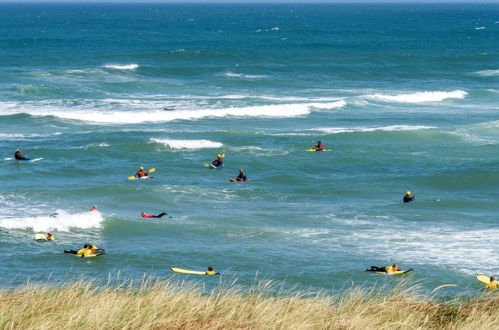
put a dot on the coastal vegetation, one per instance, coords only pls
(169, 304)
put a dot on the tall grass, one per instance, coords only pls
(155, 304)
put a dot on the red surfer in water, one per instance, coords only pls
(148, 216)
(94, 208)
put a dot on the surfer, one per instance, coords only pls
(141, 173)
(94, 208)
(50, 237)
(19, 156)
(148, 216)
(386, 269)
(168, 108)
(218, 162)
(88, 250)
(408, 198)
(319, 146)
(211, 271)
(241, 176)
(493, 284)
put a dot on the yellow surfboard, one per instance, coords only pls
(43, 237)
(194, 272)
(483, 278)
(315, 150)
(397, 272)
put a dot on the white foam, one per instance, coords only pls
(94, 145)
(487, 73)
(445, 245)
(330, 105)
(337, 130)
(260, 151)
(420, 97)
(480, 28)
(244, 76)
(188, 144)
(62, 222)
(132, 66)
(137, 116)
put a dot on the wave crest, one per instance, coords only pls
(64, 221)
(487, 73)
(243, 76)
(420, 97)
(187, 144)
(391, 128)
(132, 66)
(137, 117)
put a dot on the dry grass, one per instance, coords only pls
(155, 304)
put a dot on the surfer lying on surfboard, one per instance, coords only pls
(388, 270)
(88, 250)
(148, 216)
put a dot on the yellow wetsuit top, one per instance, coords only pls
(52, 238)
(210, 272)
(493, 285)
(390, 269)
(85, 252)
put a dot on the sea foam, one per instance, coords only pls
(64, 221)
(487, 73)
(420, 97)
(243, 76)
(138, 116)
(337, 130)
(132, 66)
(187, 144)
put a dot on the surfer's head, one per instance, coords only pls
(408, 193)
(395, 267)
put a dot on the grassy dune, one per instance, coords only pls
(168, 305)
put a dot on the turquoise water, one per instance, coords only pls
(406, 95)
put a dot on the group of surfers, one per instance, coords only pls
(218, 162)
(91, 250)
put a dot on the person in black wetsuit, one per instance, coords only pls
(19, 156)
(241, 176)
(408, 198)
(218, 162)
(148, 216)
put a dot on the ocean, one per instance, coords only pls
(406, 96)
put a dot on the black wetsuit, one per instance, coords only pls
(241, 177)
(19, 156)
(376, 269)
(408, 198)
(159, 215)
(217, 163)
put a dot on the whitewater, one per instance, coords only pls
(404, 104)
